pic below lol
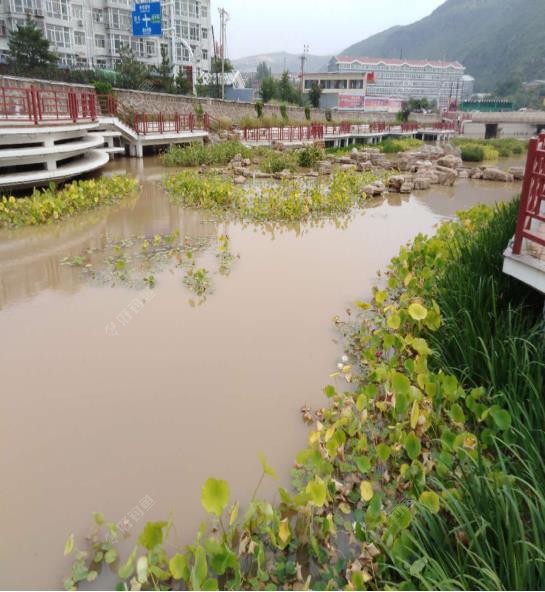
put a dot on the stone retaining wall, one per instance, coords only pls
(153, 102)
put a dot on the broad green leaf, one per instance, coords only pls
(363, 463)
(431, 500)
(330, 391)
(267, 469)
(383, 452)
(110, 556)
(400, 383)
(199, 571)
(394, 321)
(152, 535)
(126, 570)
(412, 445)
(178, 567)
(69, 545)
(215, 496)
(317, 492)
(457, 414)
(366, 491)
(501, 418)
(418, 566)
(421, 346)
(417, 311)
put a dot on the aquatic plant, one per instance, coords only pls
(198, 280)
(392, 146)
(49, 205)
(308, 156)
(276, 162)
(384, 456)
(224, 255)
(286, 201)
(198, 154)
(477, 150)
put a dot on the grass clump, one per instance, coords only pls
(198, 154)
(476, 150)
(275, 162)
(472, 153)
(52, 204)
(393, 146)
(207, 192)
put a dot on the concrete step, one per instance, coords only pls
(92, 160)
(16, 156)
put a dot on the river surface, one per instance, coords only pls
(116, 398)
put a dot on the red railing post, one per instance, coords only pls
(34, 103)
(524, 196)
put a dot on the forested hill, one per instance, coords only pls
(497, 40)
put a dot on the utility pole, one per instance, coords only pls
(224, 18)
(303, 59)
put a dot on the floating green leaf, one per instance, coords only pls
(215, 496)
(417, 311)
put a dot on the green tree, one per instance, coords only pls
(314, 95)
(263, 71)
(286, 91)
(28, 50)
(131, 72)
(184, 86)
(164, 72)
(215, 66)
(268, 89)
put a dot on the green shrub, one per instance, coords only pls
(221, 124)
(259, 109)
(328, 115)
(284, 112)
(103, 87)
(307, 113)
(472, 153)
(276, 162)
(308, 156)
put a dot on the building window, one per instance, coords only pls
(204, 33)
(100, 41)
(58, 36)
(79, 37)
(77, 11)
(98, 15)
(22, 5)
(205, 54)
(204, 11)
(138, 47)
(120, 19)
(193, 9)
(57, 9)
(151, 49)
(118, 42)
(194, 32)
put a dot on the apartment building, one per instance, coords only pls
(344, 85)
(90, 33)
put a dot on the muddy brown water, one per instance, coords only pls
(97, 421)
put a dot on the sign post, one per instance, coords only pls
(146, 19)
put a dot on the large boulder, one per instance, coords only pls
(450, 161)
(494, 174)
(407, 187)
(517, 172)
(374, 189)
(363, 166)
(446, 175)
(421, 183)
(395, 183)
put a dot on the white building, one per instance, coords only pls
(90, 33)
(343, 86)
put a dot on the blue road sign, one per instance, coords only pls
(146, 19)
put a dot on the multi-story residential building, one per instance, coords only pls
(90, 33)
(345, 85)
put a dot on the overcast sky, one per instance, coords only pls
(327, 26)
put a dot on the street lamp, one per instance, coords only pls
(306, 50)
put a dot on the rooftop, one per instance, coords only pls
(394, 62)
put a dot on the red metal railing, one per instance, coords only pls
(445, 125)
(42, 106)
(290, 133)
(532, 195)
(159, 123)
(409, 127)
